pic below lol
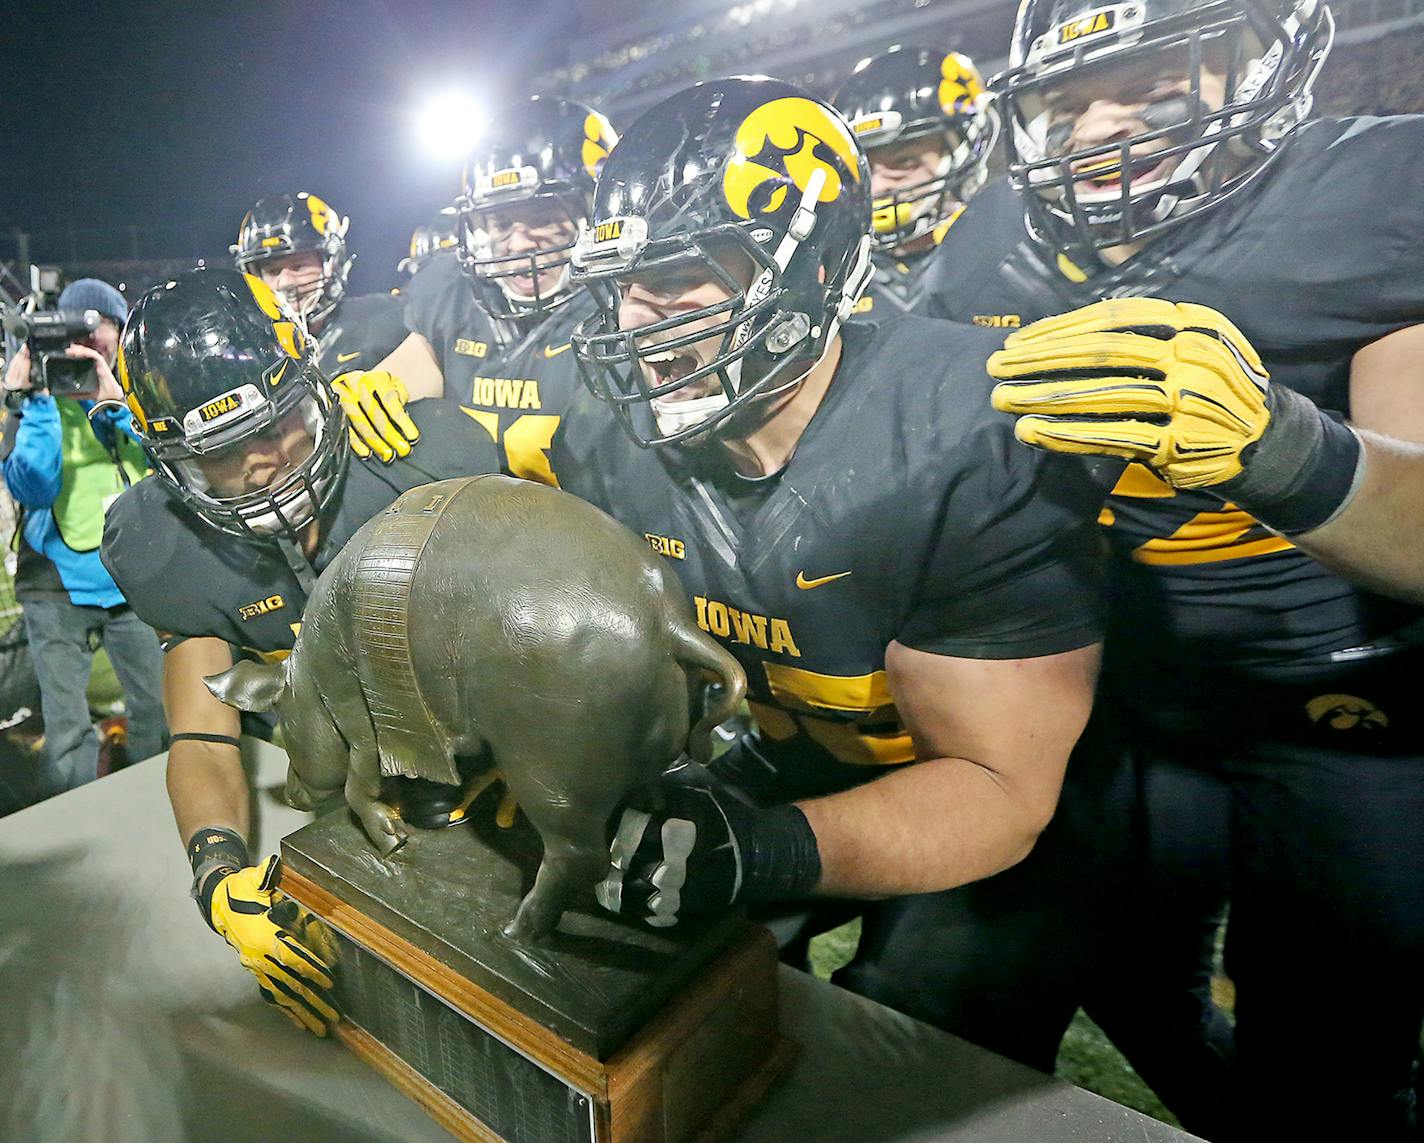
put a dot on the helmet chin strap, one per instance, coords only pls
(673, 417)
(298, 562)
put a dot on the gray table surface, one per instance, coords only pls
(122, 1017)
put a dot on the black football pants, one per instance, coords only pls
(1303, 805)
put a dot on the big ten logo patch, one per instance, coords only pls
(261, 607)
(666, 546)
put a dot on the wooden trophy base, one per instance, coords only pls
(606, 1032)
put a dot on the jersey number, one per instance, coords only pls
(1215, 535)
(526, 443)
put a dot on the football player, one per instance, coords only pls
(915, 609)
(925, 122)
(297, 245)
(1164, 147)
(492, 331)
(255, 491)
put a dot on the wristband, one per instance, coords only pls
(780, 857)
(214, 853)
(197, 736)
(1302, 472)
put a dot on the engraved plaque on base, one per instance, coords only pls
(608, 1031)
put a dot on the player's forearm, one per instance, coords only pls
(207, 787)
(1377, 539)
(415, 363)
(932, 826)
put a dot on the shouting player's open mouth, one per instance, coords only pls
(549, 279)
(1102, 176)
(668, 366)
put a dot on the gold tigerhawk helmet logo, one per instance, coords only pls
(598, 140)
(960, 87)
(289, 334)
(1346, 712)
(787, 138)
(320, 214)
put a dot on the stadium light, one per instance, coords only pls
(449, 124)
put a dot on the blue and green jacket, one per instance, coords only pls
(64, 471)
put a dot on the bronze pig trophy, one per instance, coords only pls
(494, 617)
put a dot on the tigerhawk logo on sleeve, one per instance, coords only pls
(782, 143)
(1346, 712)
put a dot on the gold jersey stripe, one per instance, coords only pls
(858, 694)
(1210, 537)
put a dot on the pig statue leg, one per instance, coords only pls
(363, 775)
(571, 824)
(363, 794)
(317, 751)
(570, 864)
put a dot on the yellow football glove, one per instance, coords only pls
(273, 938)
(1172, 385)
(374, 404)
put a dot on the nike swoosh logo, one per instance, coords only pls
(807, 584)
(340, 357)
(555, 350)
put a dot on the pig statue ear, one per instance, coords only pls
(250, 686)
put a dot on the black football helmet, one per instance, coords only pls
(906, 93)
(427, 241)
(545, 150)
(749, 182)
(1190, 156)
(285, 224)
(213, 364)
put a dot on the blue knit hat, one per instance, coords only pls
(92, 294)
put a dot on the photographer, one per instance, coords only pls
(64, 468)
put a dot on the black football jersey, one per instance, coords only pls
(360, 333)
(516, 392)
(184, 577)
(908, 512)
(1319, 259)
(902, 284)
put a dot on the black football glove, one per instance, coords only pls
(687, 844)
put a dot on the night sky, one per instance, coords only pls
(176, 117)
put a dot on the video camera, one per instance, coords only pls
(48, 332)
